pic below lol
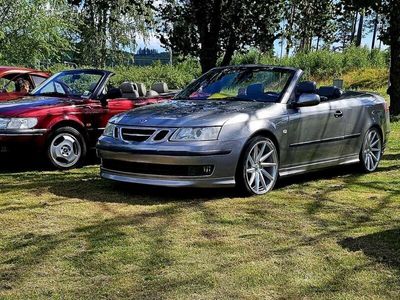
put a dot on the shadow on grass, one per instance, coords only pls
(87, 185)
(23, 252)
(383, 246)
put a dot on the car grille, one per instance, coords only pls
(156, 169)
(136, 134)
(142, 134)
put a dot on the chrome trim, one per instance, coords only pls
(23, 132)
(150, 136)
(334, 139)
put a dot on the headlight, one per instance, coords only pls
(109, 130)
(18, 123)
(196, 134)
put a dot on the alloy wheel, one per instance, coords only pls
(65, 150)
(261, 167)
(372, 150)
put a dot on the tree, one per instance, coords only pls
(217, 28)
(306, 20)
(389, 10)
(109, 28)
(33, 31)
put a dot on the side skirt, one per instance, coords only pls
(351, 159)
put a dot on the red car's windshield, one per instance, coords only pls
(77, 84)
(256, 84)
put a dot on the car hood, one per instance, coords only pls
(31, 104)
(177, 113)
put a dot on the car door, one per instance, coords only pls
(97, 115)
(315, 133)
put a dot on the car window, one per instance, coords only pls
(241, 83)
(37, 80)
(80, 83)
(7, 85)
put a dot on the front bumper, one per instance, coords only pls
(222, 156)
(18, 140)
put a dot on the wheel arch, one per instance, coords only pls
(70, 123)
(261, 132)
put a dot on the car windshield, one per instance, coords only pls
(76, 84)
(266, 84)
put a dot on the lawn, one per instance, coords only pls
(330, 235)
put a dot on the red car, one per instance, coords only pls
(65, 115)
(13, 79)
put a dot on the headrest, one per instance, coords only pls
(151, 93)
(255, 89)
(307, 87)
(330, 92)
(131, 95)
(160, 87)
(128, 87)
(141, 88)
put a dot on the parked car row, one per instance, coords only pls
(241, 126)
(65, 115)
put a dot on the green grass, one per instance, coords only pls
(330, 235)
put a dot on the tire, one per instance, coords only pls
(371, 150)
(257, 171)
(66, 148)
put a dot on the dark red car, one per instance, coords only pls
(66, 114)
(12, 77)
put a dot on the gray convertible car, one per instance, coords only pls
(244, 126)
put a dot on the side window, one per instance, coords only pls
(7, 85)
(37, 80)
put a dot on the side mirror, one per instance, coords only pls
(308, 100)
(112, 93)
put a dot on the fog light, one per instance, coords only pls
(200, 170)
(207, 170)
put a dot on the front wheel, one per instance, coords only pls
(258, 169)
(371, 152)
(66, 148)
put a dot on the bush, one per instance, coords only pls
(323, 63)
(367, 79)
(176, 76)
(363, 68)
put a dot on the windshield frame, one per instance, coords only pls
(193, 86)
(105, 75)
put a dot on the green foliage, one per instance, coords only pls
(32, 31)
(323, 63)
(108, 29)
(372, 79)
(176, 76)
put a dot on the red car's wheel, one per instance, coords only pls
(66, 148)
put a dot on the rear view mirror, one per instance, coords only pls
(308, 100)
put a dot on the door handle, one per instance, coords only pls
(338, 114)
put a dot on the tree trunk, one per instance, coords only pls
(360, 29)
(353, 31)
(229, 51)
(394, 90)
(376, 21)
(209, 32)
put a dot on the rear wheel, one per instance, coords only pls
(66, 148)
(371, 151)
(258, 169)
